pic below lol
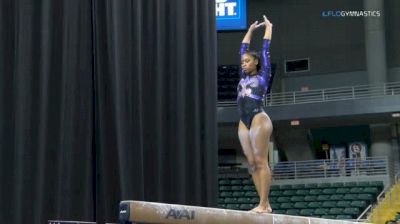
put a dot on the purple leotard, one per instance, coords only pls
(251, 89)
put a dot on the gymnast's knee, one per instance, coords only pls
(251, 168)
(261, 164)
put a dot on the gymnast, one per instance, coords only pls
(255, 126)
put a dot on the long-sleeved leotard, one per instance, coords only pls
(252, 88)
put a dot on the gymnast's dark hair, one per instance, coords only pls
(255, 55)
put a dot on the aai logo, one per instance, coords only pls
(226, 8)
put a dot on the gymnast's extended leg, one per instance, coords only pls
(260, 133)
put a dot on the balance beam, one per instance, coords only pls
(160, 213)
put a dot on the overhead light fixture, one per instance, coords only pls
(294, 122)
(395, 114)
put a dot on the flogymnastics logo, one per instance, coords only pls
(226, 8)
(355, 13)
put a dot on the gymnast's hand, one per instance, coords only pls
(268, 28)
(255, 25)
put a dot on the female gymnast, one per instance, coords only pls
(255, 127)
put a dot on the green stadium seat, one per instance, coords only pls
(287, 205)
(299, 186)
(237, 188)
(233, 206)
(289, 192)
(343, 217)
(238, 194)
(323, 197)
(329, 191)
(310, 198)
(302, 192)
(297, 198)
(275, 206)
(301, 204)
(249, 188)
(350, 197)
(275, 187)
(306, 212)
(224, 182)
(378, 184)
(363, 184)
(324, 185)
(368, 197)
(329, 204)
(371, 190)
(351, 211)
(250, 194)
(225, 194)
(293, 212)
(311, 186)
(275, 193)
(279, 211)
(343, 204)
(356, 190)
(244, 200)
(224, 188)
(221, 205)
(342, 190)
(236, 182)
(271, 199)
(338, 184)
(246, 206)
(315, 191)
(359, 204)
(315, 204)
(247, 182)
(230, 200)
(321, 211)
(221, 200)
(350, 184)
(256, 200)
(283, 199)
(336, 197)
(286, 187)
(336, 211)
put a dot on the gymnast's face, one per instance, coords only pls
(249, 64)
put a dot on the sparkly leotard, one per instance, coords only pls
(252, 88)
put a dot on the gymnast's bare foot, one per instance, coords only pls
(262, 209)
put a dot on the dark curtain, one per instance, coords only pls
(102, 101)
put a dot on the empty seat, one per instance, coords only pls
(359, 204)
(223, 182)
(250, 194)
(298, 186)
(237, 188)
(350, 197)
(310, 198)
(306, 212)
(236, 182)
(315, 204)
(337, 184)
(256, 200)
(287, 205)
(225, 194)
(230, 200)
(283, 199)
(342, 190)
(221, 200)
(315, 191)
(363, 184)
(246, 206)
(336, 197)
(328, 204)
(233, 206)
(249, 188)
(274, 187)
(238, 194)
(351, 211)
(292, 212)
(280, 211)
(297, 198)
(275, 193)
(323, 197)
(286, 187)
(343, 204)
(329, 191)
(356, 190)
(247, 182)
(321, 211)
(368, 197)
(302, 192)
(301, 204)
(324, 185)
(244, 200)
(371, 190)
(275, 206)
(311, 185)
(335, 211)
(350, 184)
(224, 188)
